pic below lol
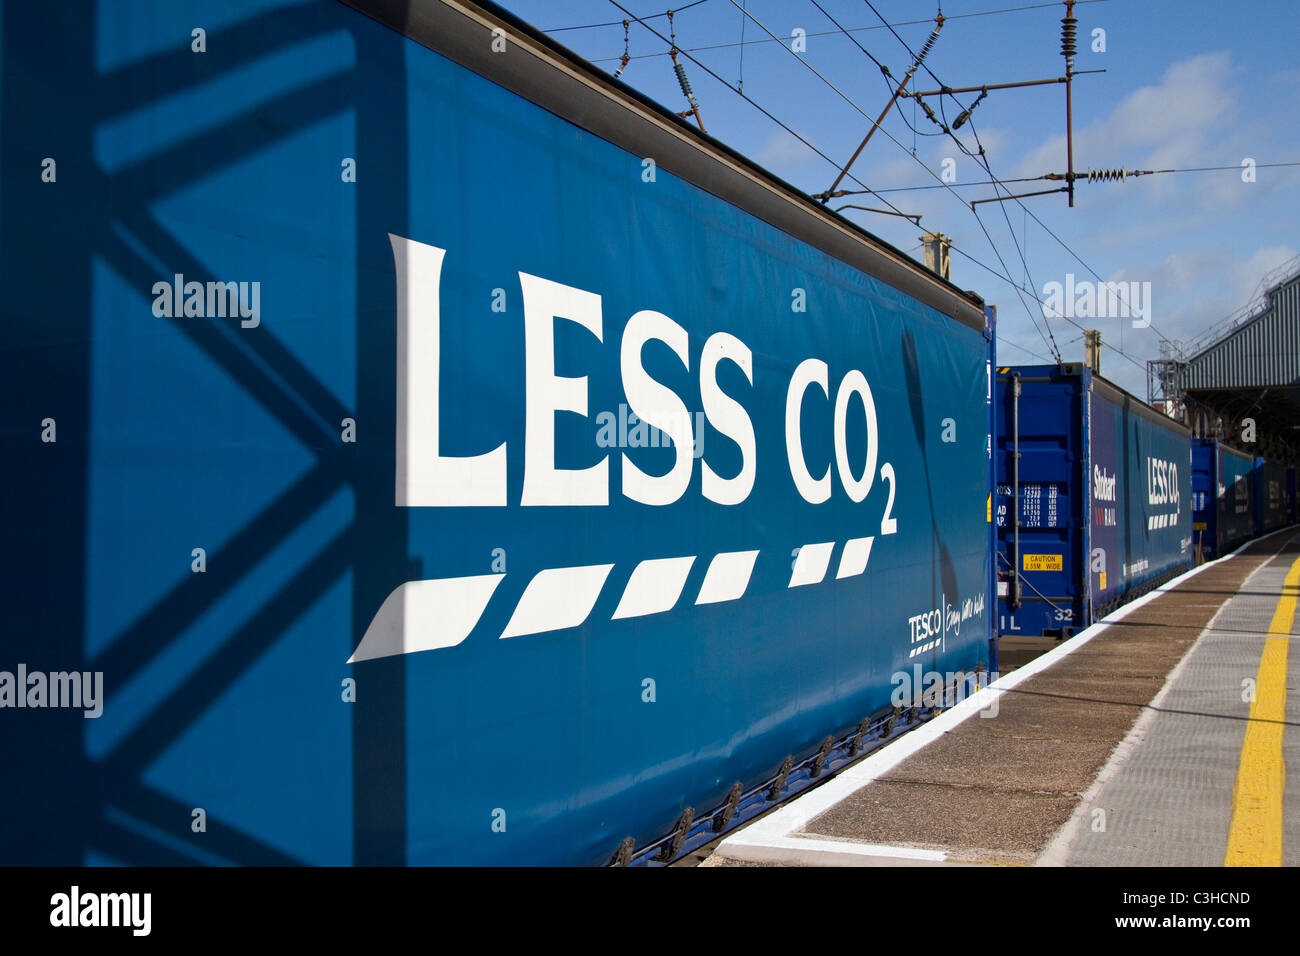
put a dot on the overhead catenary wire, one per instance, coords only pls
(863, 29)
(740, 80)
(1034, 179)
(982, 159)
(614, 23)
(625, 58)
(681, 75)
(750, 100)
(1033, 319)
(1096, 275)
(1003, 340)
(1060, 315)
(885, 74)
(1004, 275)
(825, 157)
(1061, 242)
(894, 93)
(1033, 295)
(918, 60)
(1051, 337)
(1205, 169)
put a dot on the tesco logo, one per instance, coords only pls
(929, 624)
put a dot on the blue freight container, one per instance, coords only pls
(442, 454)
(1092, 498)
(1268, 489)
(1223, 512)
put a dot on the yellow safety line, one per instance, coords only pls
(1255, 833)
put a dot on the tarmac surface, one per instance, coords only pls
(1126, 750)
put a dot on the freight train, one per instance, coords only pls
(1093, 490)
(1101, 498)
(450, 456)
(1236, 497)
(420, 448)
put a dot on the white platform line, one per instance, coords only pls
(813, 852)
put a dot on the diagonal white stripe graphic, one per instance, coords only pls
(727, 577)
(557, 598)
(655, 586)
(426, 615)
(857, 551)
(811, 564)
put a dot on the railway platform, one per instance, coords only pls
(1158, 737)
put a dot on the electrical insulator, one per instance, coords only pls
(681, 78)
(1069, 26)
(1108, 175)
(626, 57)
(685, 84)
(934, 35)
(960, 121)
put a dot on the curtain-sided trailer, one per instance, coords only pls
(1092, 498)
(1269, 492)
(443, 454)
(1223, 497)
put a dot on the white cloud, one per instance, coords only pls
(1289, 77)
(1193, 289)
(1169, 124)
(783, 151)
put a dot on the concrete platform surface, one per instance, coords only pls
(1120, 748)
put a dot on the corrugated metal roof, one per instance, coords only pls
(1261, 353)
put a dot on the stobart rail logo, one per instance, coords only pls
(446, 610)
(1103, 491)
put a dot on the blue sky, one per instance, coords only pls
(1187, 84)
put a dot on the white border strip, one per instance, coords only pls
(772, 832)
